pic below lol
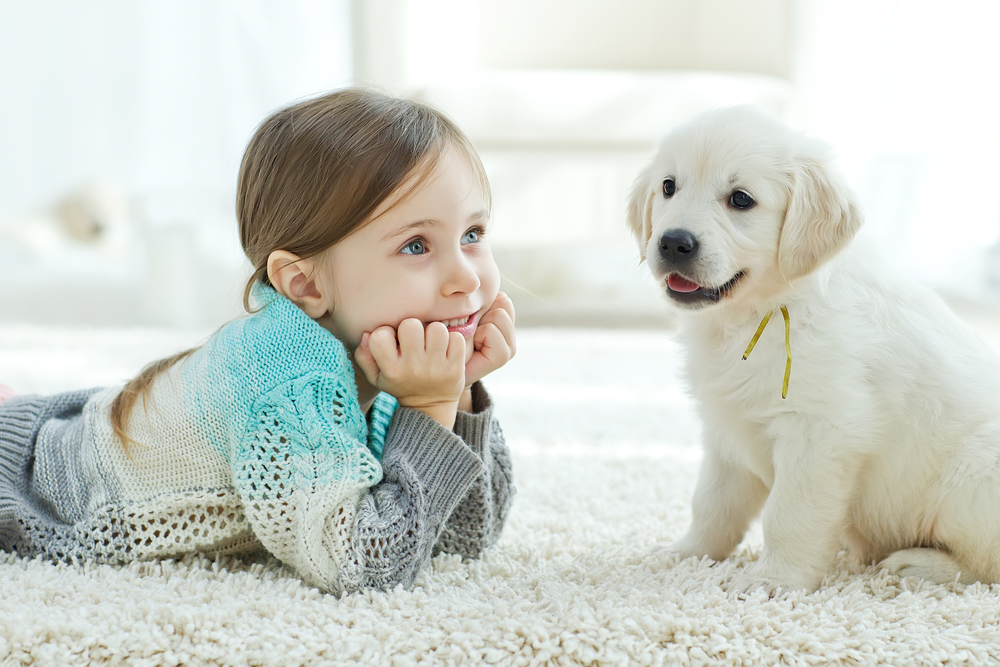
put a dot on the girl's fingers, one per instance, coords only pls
(411, 337)
(495, 346)
(456, 347)
(444, 345)
(502, 320)
(416, 365)
(423, 349)
(436, 340)
(495, 340)
(382, 346)
(503, 302)
(366, 362)
(492, 353)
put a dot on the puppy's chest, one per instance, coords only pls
(718, 372)
(738, 401)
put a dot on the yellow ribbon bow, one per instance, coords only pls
(788, 346)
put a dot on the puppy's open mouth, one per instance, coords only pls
(689, 292)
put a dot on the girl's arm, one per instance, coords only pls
(424, 369)
(318, 499)
(479, 518)
(427, 472)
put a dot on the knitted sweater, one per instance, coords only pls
(256, 439)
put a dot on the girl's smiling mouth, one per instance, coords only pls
(463, 325)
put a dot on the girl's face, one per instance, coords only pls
(424, 256)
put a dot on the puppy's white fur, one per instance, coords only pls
(889, 439)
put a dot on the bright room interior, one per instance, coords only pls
(122, 123)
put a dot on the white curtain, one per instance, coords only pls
(159, 97)
(907, 91)
(157, 100)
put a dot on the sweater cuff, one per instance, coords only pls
(474, 427)
(445, 466)
(21, 417)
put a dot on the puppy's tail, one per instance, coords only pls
(933, 565)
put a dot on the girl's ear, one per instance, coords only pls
(295, 279)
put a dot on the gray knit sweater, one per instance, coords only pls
(288, 464)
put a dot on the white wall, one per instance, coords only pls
(906, 91)
(158, 98)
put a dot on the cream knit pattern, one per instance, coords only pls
(255, 440)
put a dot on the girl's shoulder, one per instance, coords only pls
(276, 346)
(279, 342)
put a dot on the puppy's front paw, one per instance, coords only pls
(758, 578)
(748, 583)
(667, 554)
(680, 550)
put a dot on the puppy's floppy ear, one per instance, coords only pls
(639, 213)
(822, 217)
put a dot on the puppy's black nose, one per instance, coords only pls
(678, 246)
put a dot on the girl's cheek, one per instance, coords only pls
(490, 280)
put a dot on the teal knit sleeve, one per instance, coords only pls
(319, 500)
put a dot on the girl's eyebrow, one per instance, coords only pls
(405, 229)
(429, 222)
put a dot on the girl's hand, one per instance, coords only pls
(421, 368)
(495, 341)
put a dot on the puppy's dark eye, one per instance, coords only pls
(669, 187)
(740, 199)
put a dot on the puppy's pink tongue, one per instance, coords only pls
(680, 284)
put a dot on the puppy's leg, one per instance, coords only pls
(726, 499)
(804, 516)
(964, 522)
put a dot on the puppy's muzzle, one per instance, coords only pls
(678, 248)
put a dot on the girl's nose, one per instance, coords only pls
(461, 277)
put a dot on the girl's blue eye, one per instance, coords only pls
(471, 236)
(414, 247)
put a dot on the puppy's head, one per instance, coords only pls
(735, 206)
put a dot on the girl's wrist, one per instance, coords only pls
(442, 413)
(465, 401)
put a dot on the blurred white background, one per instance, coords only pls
(122, 123)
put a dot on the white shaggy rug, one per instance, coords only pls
(605, 446)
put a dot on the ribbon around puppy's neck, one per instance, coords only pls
(788, 346)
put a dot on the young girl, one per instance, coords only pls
(341, 425)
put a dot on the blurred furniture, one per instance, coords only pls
(158, 99)
(565, 99)
(97, 257)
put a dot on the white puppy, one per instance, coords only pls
(889, 439)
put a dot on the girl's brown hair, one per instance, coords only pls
(314, 173)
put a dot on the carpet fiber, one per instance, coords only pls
(605, 447)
